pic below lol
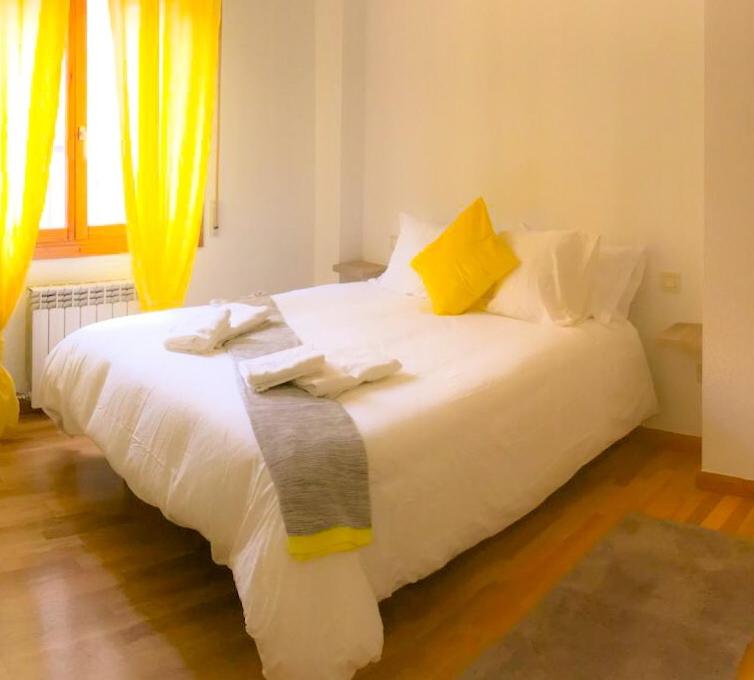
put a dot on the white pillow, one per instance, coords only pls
(554, 281)
(618, 275)
(414, 236)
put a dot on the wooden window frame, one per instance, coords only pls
(78, 238)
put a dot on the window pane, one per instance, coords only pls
(54, 214)
(104, 169)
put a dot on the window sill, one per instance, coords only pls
(109, 244)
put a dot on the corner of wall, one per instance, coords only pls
(339, 123)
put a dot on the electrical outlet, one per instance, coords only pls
(670, 282)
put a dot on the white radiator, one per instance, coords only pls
(57, 311)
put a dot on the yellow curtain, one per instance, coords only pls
(167, 60)
(32, 41)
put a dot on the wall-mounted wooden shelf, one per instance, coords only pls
(685, 336)
(358, 270)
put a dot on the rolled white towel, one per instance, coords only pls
(330, 382)
(271, 370)
(347, 369)
(200, 332)
(366, 365)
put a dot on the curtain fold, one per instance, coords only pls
(166, 62)
(32, 42)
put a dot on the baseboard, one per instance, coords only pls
(676, 440)
(708, 481)
(725, 484)
(25, 407)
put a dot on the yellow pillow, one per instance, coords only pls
(464, 262)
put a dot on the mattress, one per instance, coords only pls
(489, 416)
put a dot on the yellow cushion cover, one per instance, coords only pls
(464, 262)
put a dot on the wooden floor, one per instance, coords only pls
(94, 584)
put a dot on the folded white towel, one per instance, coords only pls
(200, 332)
(206, 328)
(245, 318)
(270, 370)
(347, 369)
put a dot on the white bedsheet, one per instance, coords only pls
(489, 416)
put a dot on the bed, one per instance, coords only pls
(489, 416)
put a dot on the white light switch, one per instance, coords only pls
(670, 282)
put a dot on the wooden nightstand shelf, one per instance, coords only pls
(358, 270)
(685, 336)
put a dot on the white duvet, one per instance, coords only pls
(489, 416)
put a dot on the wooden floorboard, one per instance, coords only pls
(95, 584)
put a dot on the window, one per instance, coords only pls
(84, 212)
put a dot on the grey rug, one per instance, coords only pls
(653, 601)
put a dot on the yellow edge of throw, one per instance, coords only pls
(338, 539)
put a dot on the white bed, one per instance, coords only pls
(489, 417)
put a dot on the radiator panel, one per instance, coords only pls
(72, 320)
(88, 315)
(40, 319)
(58, 311)
(104, 312)
(56, 327)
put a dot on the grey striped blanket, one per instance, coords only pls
(312, 449)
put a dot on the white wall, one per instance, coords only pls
(338, 114)
(577, 114)
(267, 169)
(729, 243)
